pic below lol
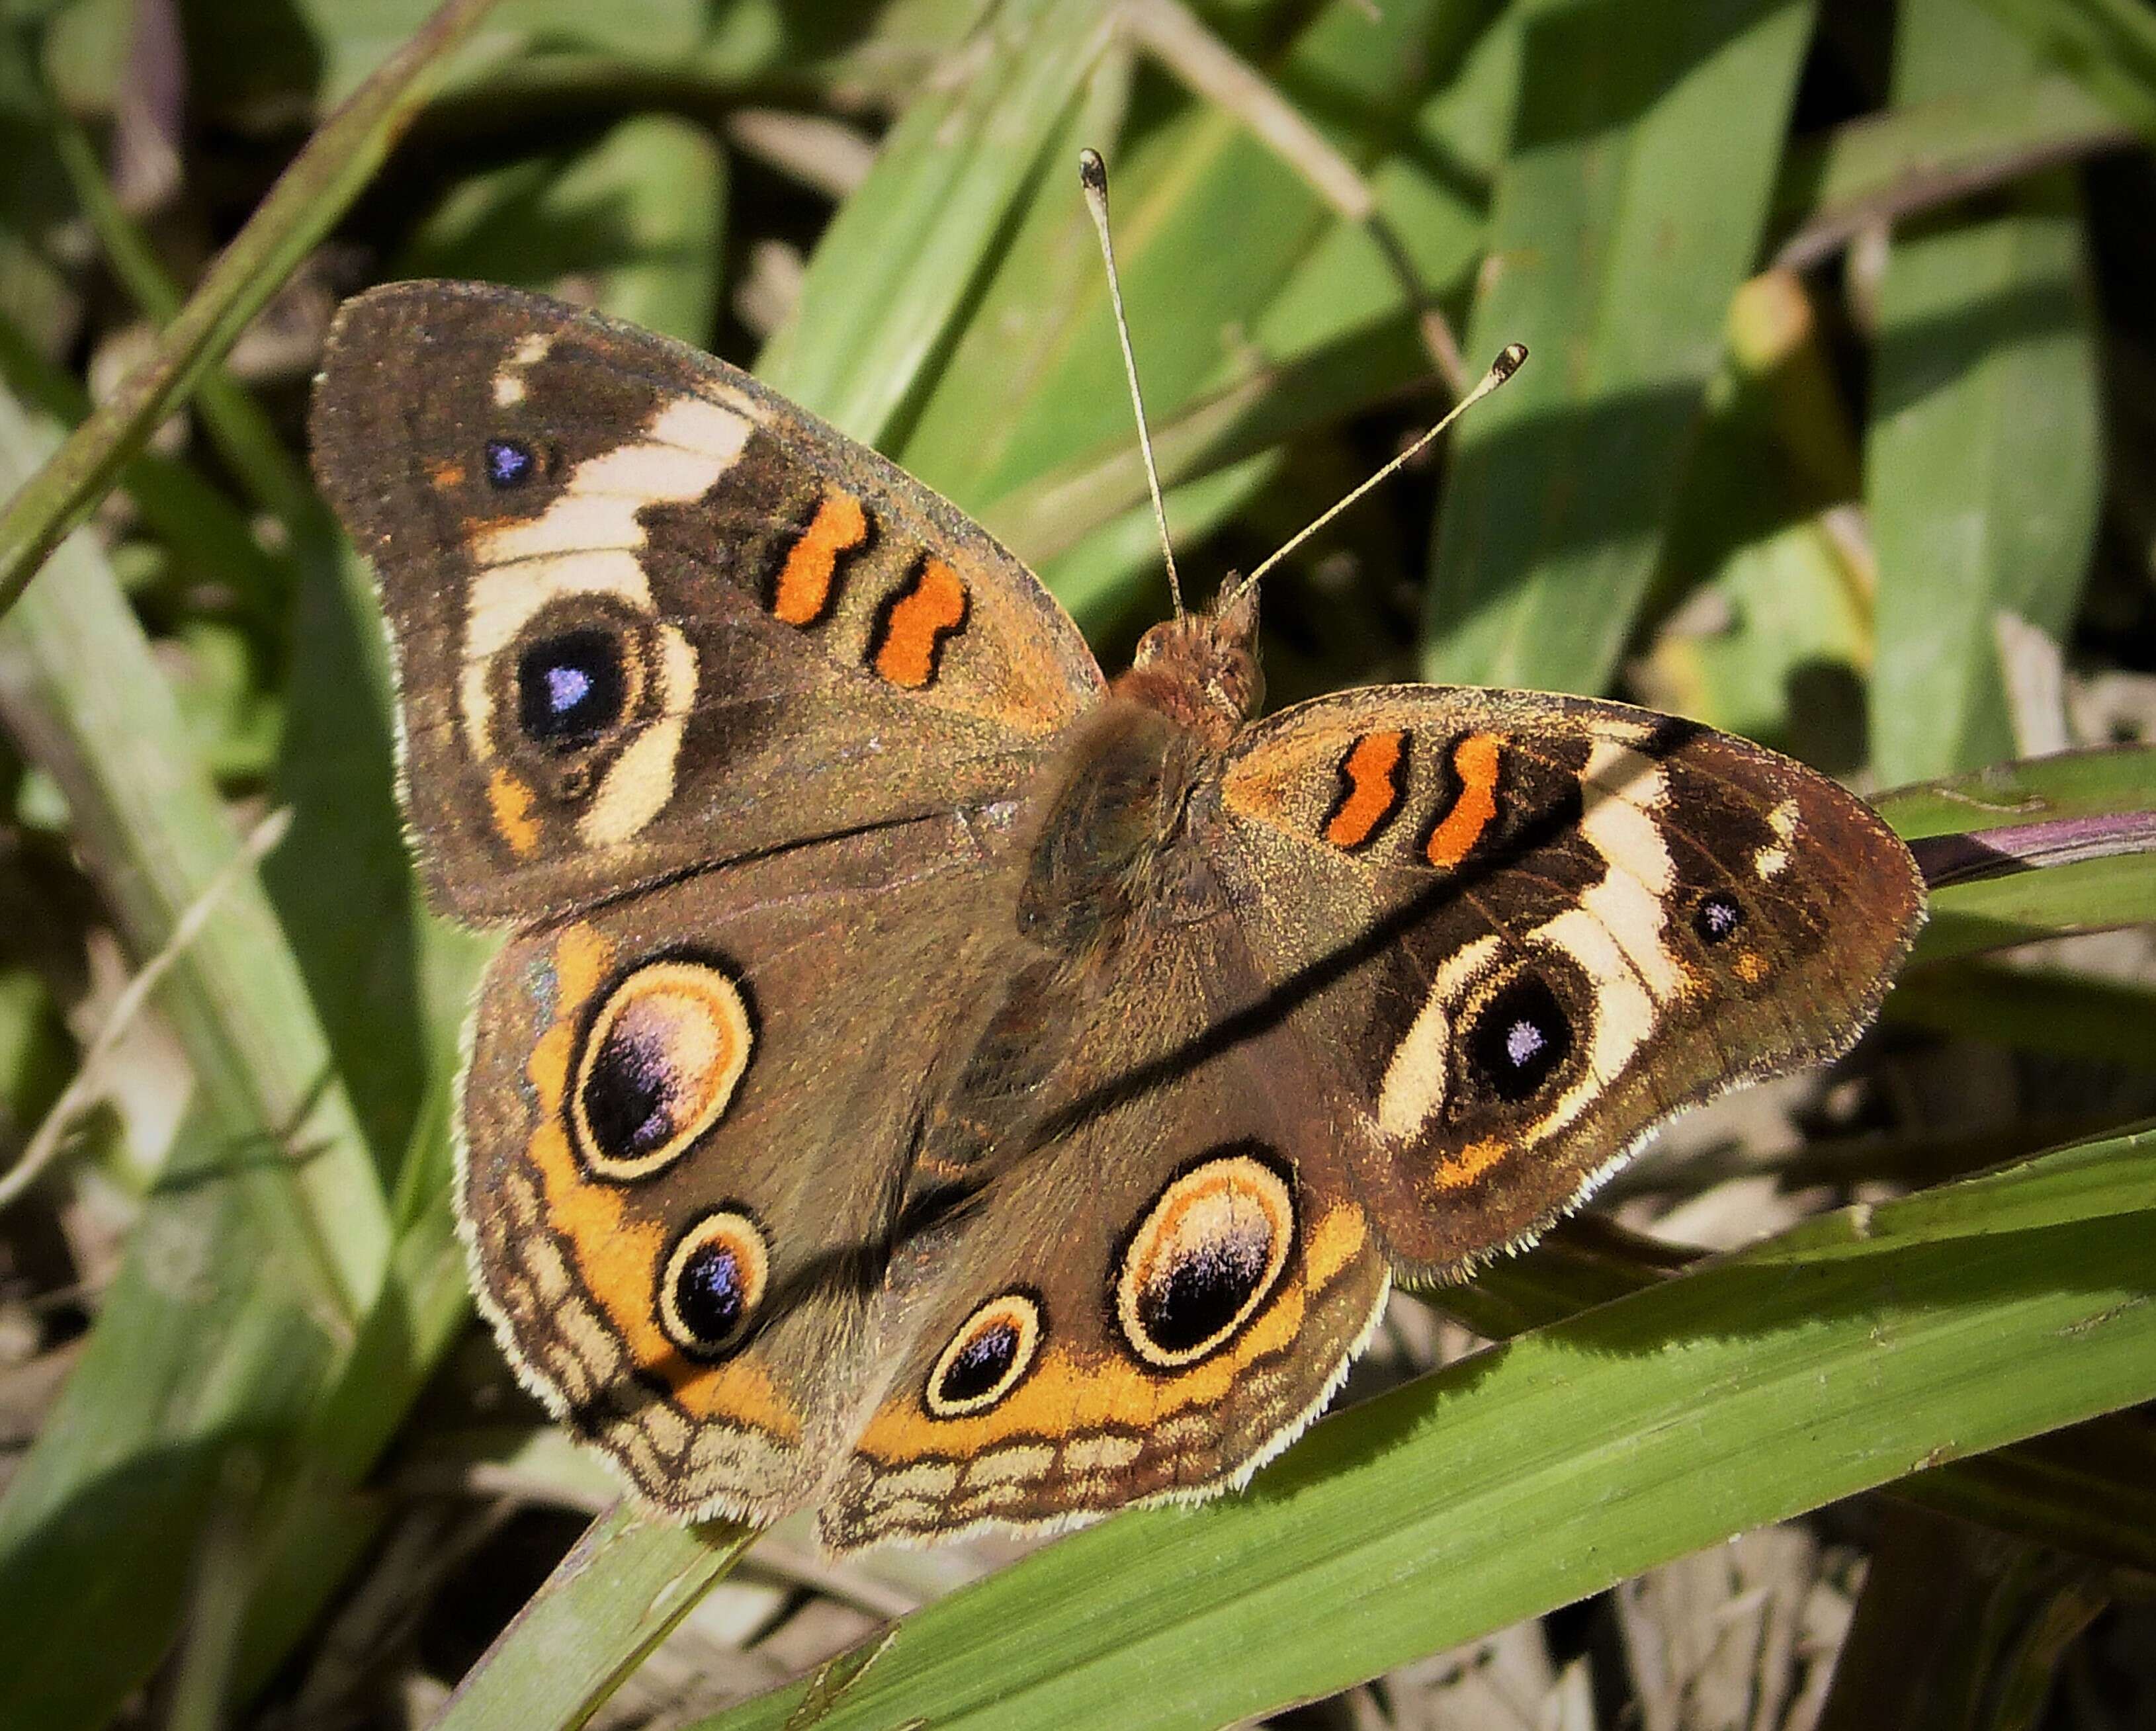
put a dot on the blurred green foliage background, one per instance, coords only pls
(1835, 433)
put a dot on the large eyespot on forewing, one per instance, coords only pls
(986, 1357)
(1204, 1257)
(1518, 1038)
(713, 1283)
(658, 1065)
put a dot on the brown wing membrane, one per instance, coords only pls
(687, 1120)
(1526, 929)
(1156, 1296)
(642, 607)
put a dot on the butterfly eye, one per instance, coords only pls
(991, 1351)
(714, 1280)
(1519, 1038)
(1204, 1259)
(1717, 916)
(660, 1066)
(572, 687)
(508, 464)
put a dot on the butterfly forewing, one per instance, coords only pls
(1530, 928)
(647, 615)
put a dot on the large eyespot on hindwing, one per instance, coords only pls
(1204, 1257)
(659, 1063)
(987, 1358)
(713, 1283)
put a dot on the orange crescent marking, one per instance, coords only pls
(1471, 1163)
(1476, 759)
(919, 620)
(617, 1256)
(1067, 1395)
(1372, 790)
(802, 594)
(511, 802)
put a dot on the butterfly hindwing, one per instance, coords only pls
(688, 1119)
(1155, 1293)
(644, 609)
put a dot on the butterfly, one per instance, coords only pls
(932, 1083)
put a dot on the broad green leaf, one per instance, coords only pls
(2087, 895)
(894, 272)
(1984, 462)
(1623, 1437)
(1769, 593)
(1630, 206)
(633, 221)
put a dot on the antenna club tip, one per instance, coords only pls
(1510, 359)
(1092, 171)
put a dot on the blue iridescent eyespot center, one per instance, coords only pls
(979, 1364)
(713, 1283)
(633, 1096)
(709, 1291)
(569, 688)
(1717, 916)
(508, 464)
(1520, 1039)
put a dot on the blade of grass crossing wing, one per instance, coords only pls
(1984, 469)
(1643, 158)
(1661, 1422)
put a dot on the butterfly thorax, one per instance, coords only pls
(1200, 670)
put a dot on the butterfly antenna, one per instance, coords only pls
(1501, 369)
(1093, 175)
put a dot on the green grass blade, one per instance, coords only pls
(206, 1350)
(2087, 895)
(894, 272)
(1631, 208)
(80, 689)
(1916, 155)
(2103, 782)
(2110, 45)
(307, 200)
(1983, 466)
(636, 219)
(271, 1237)
(1622, 1438)
(612, 1599)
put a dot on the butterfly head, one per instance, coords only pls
(1201, 669)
